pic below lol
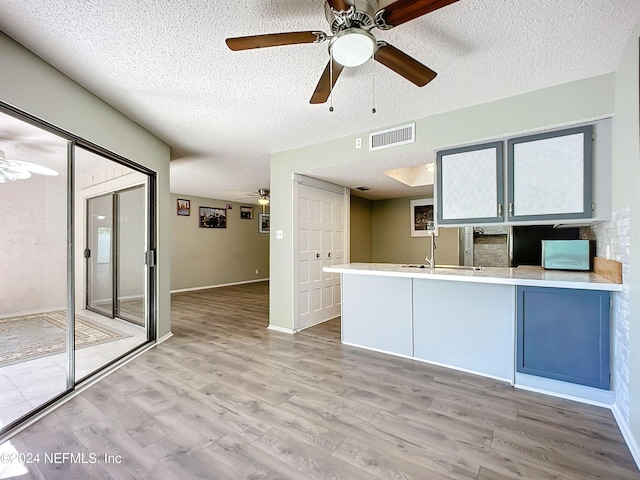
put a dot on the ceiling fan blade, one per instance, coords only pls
(403, 64)
(339, 5)
(275, 40)
(323, 89)
(402, 11)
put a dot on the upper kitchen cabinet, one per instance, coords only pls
(550, 175)
(470, 186)
(558, 177)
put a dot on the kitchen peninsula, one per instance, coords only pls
(538, 329)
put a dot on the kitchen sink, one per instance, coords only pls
(443, 267)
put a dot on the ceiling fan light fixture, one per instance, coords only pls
(12, 170)
(352, 47)
(263, 201)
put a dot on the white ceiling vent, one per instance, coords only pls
(392, 137)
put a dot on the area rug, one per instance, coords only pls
(33, 336)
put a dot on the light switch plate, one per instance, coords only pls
(279, 234)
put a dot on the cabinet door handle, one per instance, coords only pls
(317, 255)
(511, 209)
(329, 254)
(499, 210)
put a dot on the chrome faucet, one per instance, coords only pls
(431, 262)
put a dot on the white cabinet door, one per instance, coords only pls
(320, 234)
(470, 184)
(550, 175)
(464, 325)
(377, 313)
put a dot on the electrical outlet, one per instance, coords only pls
(256, 271)
(279, 234)
(358, 142)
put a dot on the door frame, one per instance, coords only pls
(298, 180)
(115, 250)
(93, 252)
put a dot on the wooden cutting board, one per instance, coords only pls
(609, 269)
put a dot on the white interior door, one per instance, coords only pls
(320, 243)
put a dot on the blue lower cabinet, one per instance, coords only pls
(564, 334)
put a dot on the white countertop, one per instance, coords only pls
(523, 275)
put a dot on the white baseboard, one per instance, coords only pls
(193, 289)
(570, 391)
(132, 297)
(164, 338)
(371, 349)
(437, 364)
(465, 370)
(25, 313)
(280, 329)
(626, 433)
(296, 330)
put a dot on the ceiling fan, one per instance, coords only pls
(262, 195)
(12, 170)
(352, 43)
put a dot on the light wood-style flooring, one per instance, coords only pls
(225, 398)
(31, 383)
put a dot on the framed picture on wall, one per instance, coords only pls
(213, 217)
(246, 213)
(264, 225)
(422, 218)
(184, 207)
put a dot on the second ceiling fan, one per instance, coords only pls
(352, 43)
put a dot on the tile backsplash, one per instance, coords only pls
(612, 242)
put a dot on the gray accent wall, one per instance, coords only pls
(207, 257)
(35, 87)
(361, 230)
(392, 240)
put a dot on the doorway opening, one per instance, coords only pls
(115, 254)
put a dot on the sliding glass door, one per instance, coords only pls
(130, 249)
(76, 292)
(34, 319)
(113, 199)
(115, 254)
(100, 255)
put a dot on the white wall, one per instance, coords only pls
(626, 178)
(33, 240)
(550, 107)
(37, 88)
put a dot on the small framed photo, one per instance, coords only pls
(264, 226)
(422, 218)
(184, 207)
(213, 217)
(246, 213)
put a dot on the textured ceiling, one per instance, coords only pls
(165, 65)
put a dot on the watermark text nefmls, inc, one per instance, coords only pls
(57, 458)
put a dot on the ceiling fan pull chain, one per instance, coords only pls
(373, 90)
(330, 81)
